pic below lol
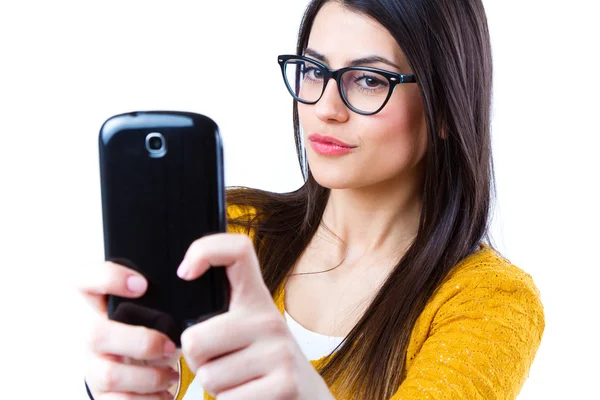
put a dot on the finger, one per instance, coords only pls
(137, 342)
(236, 253)
(235, 369)
(110, 278)
(133, 396)
(109, 376)
(220, 335)
(272, 386)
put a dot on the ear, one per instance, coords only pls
(442, 124)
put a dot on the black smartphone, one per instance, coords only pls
(162, 188)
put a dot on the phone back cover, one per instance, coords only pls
(155, 208)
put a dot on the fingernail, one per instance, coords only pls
(169, 349)
(136, 284)
(183, 269)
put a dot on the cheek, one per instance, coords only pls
(396, 138)
(307, 117)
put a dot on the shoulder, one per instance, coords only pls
(486, 269)
(236, 212)
(485, 320)
(488, 285)
(240, 212)
(484, 290)
(488, 280)
(240, 219)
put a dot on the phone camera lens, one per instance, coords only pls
(155, 143)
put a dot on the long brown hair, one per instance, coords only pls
(447, 45)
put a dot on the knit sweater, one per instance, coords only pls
(475, 339)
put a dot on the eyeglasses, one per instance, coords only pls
(364, 90)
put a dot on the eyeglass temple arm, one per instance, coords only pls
(407, 78)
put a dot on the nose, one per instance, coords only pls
(331, 107)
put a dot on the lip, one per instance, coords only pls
(318, 138)
(329, 146)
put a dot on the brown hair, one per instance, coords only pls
(447, 45)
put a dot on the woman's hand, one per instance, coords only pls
(125, 361)
(247, 352)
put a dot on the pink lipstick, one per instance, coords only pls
(329, 146)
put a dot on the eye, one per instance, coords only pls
(370, 82)
(313, 73)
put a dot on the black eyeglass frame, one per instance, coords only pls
(393, 79)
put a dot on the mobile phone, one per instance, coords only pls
(162, 186)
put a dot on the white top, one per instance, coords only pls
(313, 345)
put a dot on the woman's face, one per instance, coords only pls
(386, 146)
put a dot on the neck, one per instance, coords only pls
(378, 219)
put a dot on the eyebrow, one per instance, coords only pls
(353, 63)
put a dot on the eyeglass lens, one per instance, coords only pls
(364, 90)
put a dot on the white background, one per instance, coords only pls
(66, 67)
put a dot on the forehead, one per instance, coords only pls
(343, 35)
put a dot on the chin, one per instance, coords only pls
(333, 178)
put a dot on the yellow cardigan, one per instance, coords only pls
(475, 339)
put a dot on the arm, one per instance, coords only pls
(481, 342)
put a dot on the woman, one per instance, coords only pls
(375, 270)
